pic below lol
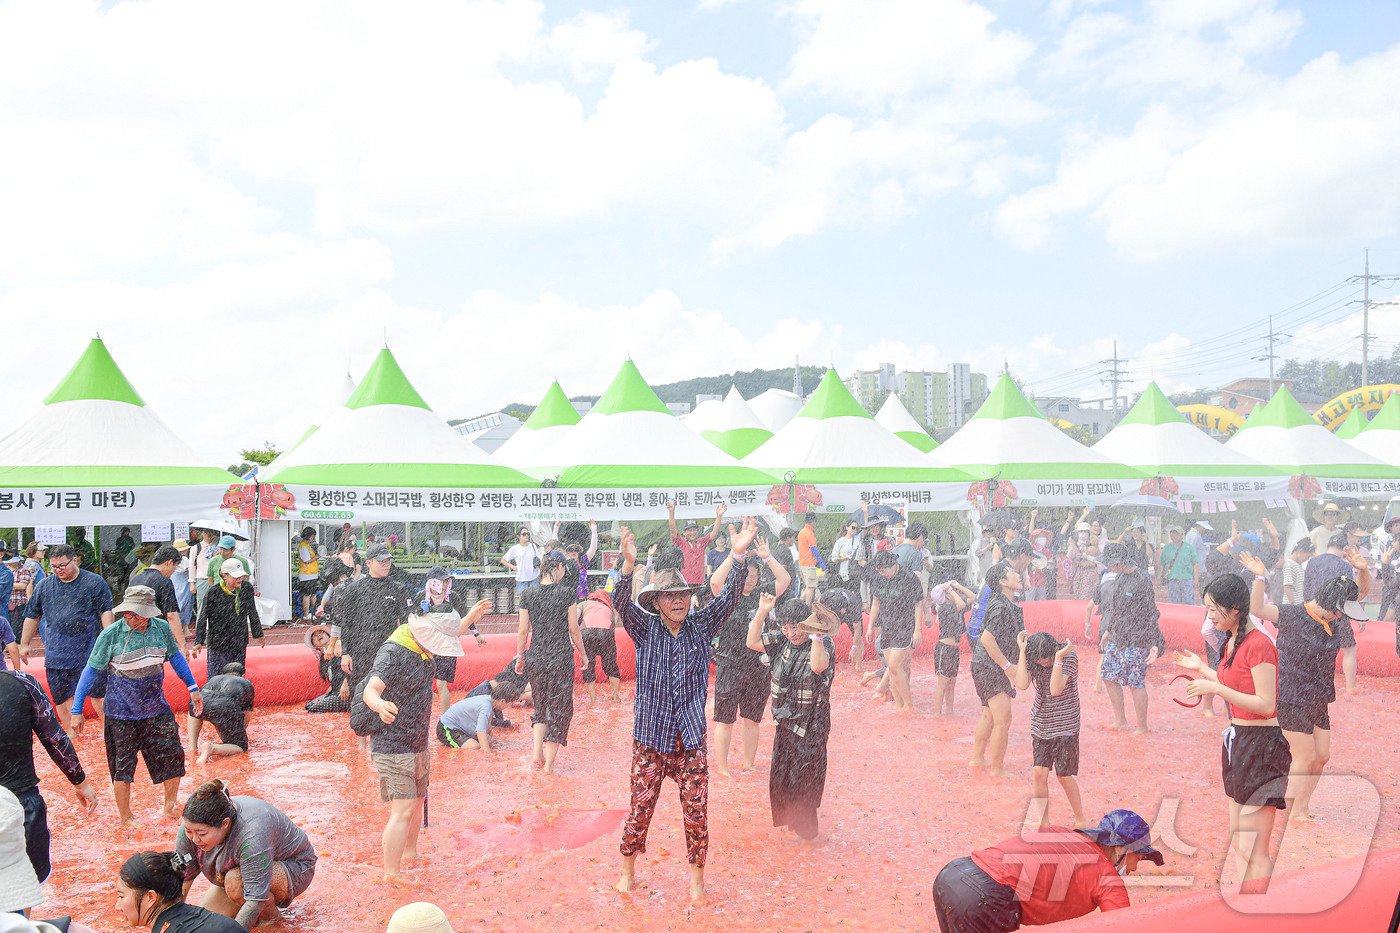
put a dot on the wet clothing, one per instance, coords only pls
(261, 835)
(650, 768)
(367, 612)
(227, 700)
(190, 918)
(900, 597)
(1060, 753)
(673, 671)
(135, 666)
(167, 600)
(1237, 672)
(71, 616)
(1125, 665)
(1307, 656)
(1323, 567)
(1254, 765)
(967, 900)
(225, 621)
(1003, 620)
(552, 692)
(802, 711)
(156, 739)
(407, 674)
(1055, 874)
(741, 675)
(1055, 716)
(550, 644)
(599, 646)
(467, 717)
(1130, 614)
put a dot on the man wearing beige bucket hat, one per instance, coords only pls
(673, 643)
(399, 690)
(133, 651)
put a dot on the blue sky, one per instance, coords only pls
(517, 191)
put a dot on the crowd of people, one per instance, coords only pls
(764, 610)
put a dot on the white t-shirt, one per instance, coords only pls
(524, 560)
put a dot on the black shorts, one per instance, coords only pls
(308, 587)
(1303, 717)
(229, 721)
(741, 689)
(946, 659)
(453, 738)
(1060, 753)
(599, 643)
(899, 636)
(63, 683)
(990, 681)
(156, 739)
(444, 668)
(1255, 766)
(966, 898)
(552, 689)
(1346, 635)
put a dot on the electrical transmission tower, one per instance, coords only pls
(1114, 375)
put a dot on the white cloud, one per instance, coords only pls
(1291, 163)
(591, 42)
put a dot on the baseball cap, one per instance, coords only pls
(15, 559)
(1125, 828)
(1202, 523)
(228, 541)
(690, 525)
(233, 568)
(377, 552)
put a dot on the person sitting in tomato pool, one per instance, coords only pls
(1043, 876)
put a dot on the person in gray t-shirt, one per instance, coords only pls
(467, 723)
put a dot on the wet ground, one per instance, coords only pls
(507, 849)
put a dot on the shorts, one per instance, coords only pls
(308, 587)
(65, 680)
(229, 720)
(899, 637)
(444, 668)
(741, 689)
(946, 659)
(1061, 753)
(1303, 717)
(157, 740)
(523, 585)
(990, 680)
(299, 876)
(36, 831)
(966, 898)
(402, 775)
(599, 644)
(454, 738)
(810, 578)
(1125, 666)
(1254, 763)
(1346, 635)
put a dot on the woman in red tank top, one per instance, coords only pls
(1254, 759)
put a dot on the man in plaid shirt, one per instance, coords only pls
(673, 643)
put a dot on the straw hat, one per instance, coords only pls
(19, 889)
(419, 917)
(663, 581)
(1330, 507)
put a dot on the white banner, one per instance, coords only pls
(105, 506)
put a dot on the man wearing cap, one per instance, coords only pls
(228, 550)
(673, 644)
(74, 605)
(692, 543)
(133, 652)
(400, 691)
(230, 614)
(158, 578)
(1043, 876)
(1331, 516)
(368, 611)
(1180, 571)
(1130, 636)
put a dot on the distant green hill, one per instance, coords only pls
(750, 383)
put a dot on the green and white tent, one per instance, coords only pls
(529, 448)
(347, 389)
(1381, 439)
(1282, 434)
(1010, 441)
(1158, 440)
(833, 440)
(386, 437)
(895, 418)
(1352, 425)
(630, 440)
(776, 407)
(96, 453)
(731, 426)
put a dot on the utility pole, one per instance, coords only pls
(1270, 342)
(1366, 323)
(1114, 375)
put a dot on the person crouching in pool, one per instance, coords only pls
(799, 652)
(994, 654)
(673, 675)
(228, 698)
(255, 857)
(1043, 876)
(151, 891)
(1254, 759)
(467, 723)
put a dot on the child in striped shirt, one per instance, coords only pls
(1054, 669)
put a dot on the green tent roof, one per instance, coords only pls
(96, 376)
(1153, 408)
(738, 442)
(832, 400)
(1352, 425)
(385, 384)
(1388, 418)
(1281, 411)
(629, 392)
(918, 439)
(554, 410)
(1006, 401)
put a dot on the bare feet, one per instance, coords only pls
(723, 773)
(697, 891)
(130, 822)
(977, 763)
(205, 748)
(625, 883)
(1141, 730)
(1119, 727)
(1301, 816)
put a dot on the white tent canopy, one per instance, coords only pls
(895, 418)
(1282, 434)
(733, 427)
(776, 407)
(546, 430)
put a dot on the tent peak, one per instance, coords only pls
(832, 399)
(95, 377)
(385, 384)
